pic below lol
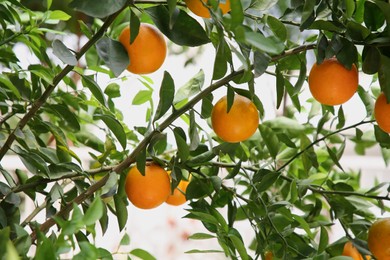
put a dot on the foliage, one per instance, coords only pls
(286, 181)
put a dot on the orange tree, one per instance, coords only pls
(286, 180)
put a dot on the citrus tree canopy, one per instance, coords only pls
(278, 170)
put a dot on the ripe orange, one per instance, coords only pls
(149, 191)
(379, 239)
(199, 8)
(268, 255)
(239, 124)
(382, 113)
(351, 251)
(331, 83)
(178, 196)
(147, 52)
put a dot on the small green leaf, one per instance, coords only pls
(200, 236)
(5, 82)
(182, 147)
(167, 92)
(59, 15)
(279, 87)
(142, 97)
(236, 13)
(260, 63)
(142, 254)
(94, 88)
(63, 53)
(324, 240)
(94, 212)
(113, 54)
(116, 128)
(98, 8)
(134, 25)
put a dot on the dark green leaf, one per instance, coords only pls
(69, 117)
(167, 92)
(220, 62)
(94, 88)
(260, 63)
(277, 27)
(120, 210)
(279, 87)
(236, 12)
(98, 8)
(182, 147)
(141, 162)
(113, 54)
(370, 57)
(193, 132)
(134, 25)
(197, 189)
(239, 246)
(384, 76)
(185, 31)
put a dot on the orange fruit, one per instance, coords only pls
(178, 196)
(331, 83)
(149, 191)
(199, 8)
(147, 52)
(379, 239)
(382, 113)
(239, 123)
(351, 251)
(268, 255)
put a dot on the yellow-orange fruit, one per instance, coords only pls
(379, 239)
(199, 8)
(382, 113)
(239, 123)
(331, 83)
(147, 52)
(149, 191)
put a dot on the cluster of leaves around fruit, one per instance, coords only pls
(287, 167)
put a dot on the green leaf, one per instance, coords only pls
(277, 27)
(142, 254)
(279, 87)
(115, 126)
(370, 57)
(186, 31)
(264, 179)
(307, 17)
(198, 251)
(373, 18)
(45, 250)
(190, 88)
(120, 210)
(141, 162)
(5, 82)
(167, 92)
(134, 25)
(324, 240)
(239, 246)
(142, 97)
(59, 15)
(98, 8)
(260, 63)
(201, 236)
(182, 147)
(94, 88)
(63, 53)
(94, 212)
(198, 188)
(334, 158)
(220, 61)
(266, 44)
(384, 76)
(236, 12)
(125, 240)
(193, 132)
(113, 54)
(69, 117)
(270, 139)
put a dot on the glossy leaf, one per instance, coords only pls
(98, 8)
(185, 31)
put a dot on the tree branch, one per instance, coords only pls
(143, 144)
(56, 80)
